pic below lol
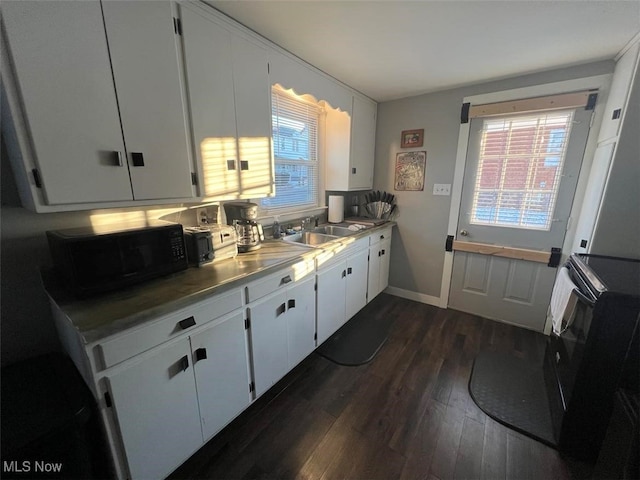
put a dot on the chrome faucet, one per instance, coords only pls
(308, 223)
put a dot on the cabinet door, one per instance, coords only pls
(269, 340)
(220, 359)
(207, 58)
(385, 250)
(357, 274)
(144, 57)
(301, 320)
(363, 142)
(253, 117)
(156, 408)
(61, 60)
(331, 307)
(619, 93)
(373, 280)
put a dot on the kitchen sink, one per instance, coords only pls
(334, 230)
(309, 238)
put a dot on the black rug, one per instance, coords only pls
(513, 392)
(359, 340)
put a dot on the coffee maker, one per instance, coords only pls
(242, 216)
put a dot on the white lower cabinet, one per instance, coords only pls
(342, 288)
(331, 300)
(156, 407)
(268, 340)
(220, 363)
(356, 288)
(301, 321)
(168, 400)
(379, 255)
(282, 331)
(170, 384)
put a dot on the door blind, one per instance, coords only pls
(519, 169)
(295, 148)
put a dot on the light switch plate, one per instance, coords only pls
(442, 189)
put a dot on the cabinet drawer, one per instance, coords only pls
(380, 235)
(277, 281)
(159, 331)
(265, 286)
(348, 247)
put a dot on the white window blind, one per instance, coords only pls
(295, 148)
(519, 169)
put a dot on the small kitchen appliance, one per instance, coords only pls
(199, 245)
(90, 262)
(224, 241)
(242, 216)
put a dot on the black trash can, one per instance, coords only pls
(50, 426)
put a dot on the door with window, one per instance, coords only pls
(520, 177)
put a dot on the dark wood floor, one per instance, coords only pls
(405, 415)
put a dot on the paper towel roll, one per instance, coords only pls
(336, 208)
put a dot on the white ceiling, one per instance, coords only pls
(395, 49)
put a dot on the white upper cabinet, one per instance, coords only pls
(363, 143)
(350, 147)
(291, 74)
(68, 99)
(230, 101)
(619, 93)
(68, 139)
(148, 79)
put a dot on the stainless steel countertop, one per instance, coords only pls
(99, 317)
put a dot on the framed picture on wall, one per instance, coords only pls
(412, 138)
(410, 171)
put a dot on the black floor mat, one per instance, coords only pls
(359, 340)
(512, 391)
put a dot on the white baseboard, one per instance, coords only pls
(409, 295)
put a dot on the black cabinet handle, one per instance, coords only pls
(344, 273)
(353, 170)
(383, 251)
(378, 252)
(137, 159)
(285, 280)
(281, 309)
(231, 164)
(381, 237)
(184, 362)
(291, 303)
(201, 354)
(349, 271)
(244, 165)
(187, 322)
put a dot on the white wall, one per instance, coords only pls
(417, 253)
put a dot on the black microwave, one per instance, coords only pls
(92, 262)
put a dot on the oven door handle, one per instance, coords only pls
(583, 298)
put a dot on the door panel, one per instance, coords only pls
(477, 271)
(61, 60)
(512, 290)
(356, 295)
(521, 281)
(269, 340)
(207, 58)
(144, 56)
(301, 321)
(222, 373)
(156, 405)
